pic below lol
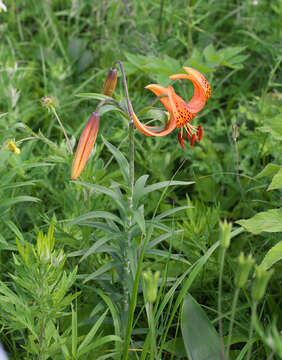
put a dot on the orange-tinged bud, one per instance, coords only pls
(85, 145)
(110, 82)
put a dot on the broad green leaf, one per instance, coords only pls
(276, 182)
(85, 61)
(120, 158)
(200, 338)
(272, 256)
(269, 221)
(269, 171)
(273, 126)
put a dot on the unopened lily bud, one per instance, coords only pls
(110, 82)
(225, 229)
(151, 285)
(85, 145)
(260, 283)
(244, 268)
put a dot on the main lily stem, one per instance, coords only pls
(131, 187)
(131, 162)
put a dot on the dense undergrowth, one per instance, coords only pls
(78, 292)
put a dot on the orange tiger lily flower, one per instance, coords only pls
(181, 113)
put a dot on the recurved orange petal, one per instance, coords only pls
(159, 90)
(149, 130)
(202, 89)
(85, 145)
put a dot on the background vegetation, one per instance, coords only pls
(72, 293)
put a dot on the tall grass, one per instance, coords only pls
(73, 253)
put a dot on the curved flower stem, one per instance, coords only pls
(234, 305)
(129, 107)
(222, 258)
(254, 311)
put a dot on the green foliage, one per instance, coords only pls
(64, 49)
(36, 295)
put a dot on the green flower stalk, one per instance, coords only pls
(241, 277)
(151, 285)
(244, 268)
(225, 228)
(260, 283)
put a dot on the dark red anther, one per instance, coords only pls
(193, 138)
(188, 135)
(200, 133)
(180, 139)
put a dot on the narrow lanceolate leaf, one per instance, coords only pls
(269, 221)
(139, 218)
(172, 211)
(18, 199)
(140, 189)
(96, 96)
(200, 338)
(163, 184)
(120, 158)
(95, 215)
(115, 195)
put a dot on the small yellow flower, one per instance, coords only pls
(11, 145)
